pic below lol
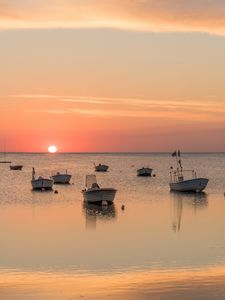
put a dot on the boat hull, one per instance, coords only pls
(144, 172)
(42, 184)
(193, 185)
(61, 178)
(18, 167)
(101, 168)
(99, 195)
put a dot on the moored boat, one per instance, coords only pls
(41, 183)
(191, 185)
(16, 167)
(144, 172)
(94, 194)
(61, 178)
(101, 168)
(185, 180)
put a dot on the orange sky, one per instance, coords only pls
(112, 76)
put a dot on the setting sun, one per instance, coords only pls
(52, 149)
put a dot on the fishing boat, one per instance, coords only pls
(41, 183)
(94, 194)
(185, 180)
(61, 178)
(16, 167)
(101, 168)
(144, 172)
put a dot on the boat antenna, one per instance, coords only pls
(179, 161)
(175, 154)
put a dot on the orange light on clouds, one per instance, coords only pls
(148, 15)
(125, 125)
(136, 91)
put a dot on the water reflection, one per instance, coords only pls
(204, 283)
(95, 212)
(193, 200)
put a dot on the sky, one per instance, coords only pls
(112, 75)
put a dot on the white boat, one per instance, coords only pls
(62, 178)
(94, 194)
(41, 183)
(101, 168)
(185, 180)
(144, 172)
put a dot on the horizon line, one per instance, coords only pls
(110, 152)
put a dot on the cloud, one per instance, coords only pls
(33, 96)
(145, 15)
(108, 107)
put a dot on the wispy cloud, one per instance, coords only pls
(108, 107)
(182, 110)
(151, 15)
(86, 100)
(73, 99)
(33, 96)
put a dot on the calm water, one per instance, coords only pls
(162, 246)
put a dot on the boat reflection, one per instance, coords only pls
(94, 212)
(193, 200)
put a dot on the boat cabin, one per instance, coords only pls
(178, 175)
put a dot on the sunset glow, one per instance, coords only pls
(132, 87)
(141, 76)
(150, 15)
(120, 287)
(52, 149)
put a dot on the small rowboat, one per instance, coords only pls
(16, 167)
(94, 194)
(144, 172)
(61, 178)
(101, 168)
(41, 183)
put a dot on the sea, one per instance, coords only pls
(162, 246)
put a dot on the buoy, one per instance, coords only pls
(56, 192)
(122, 206)
(104, 203)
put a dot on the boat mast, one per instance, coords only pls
(177, 155)
(33, 174)
(179, 172)
(179, 162)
